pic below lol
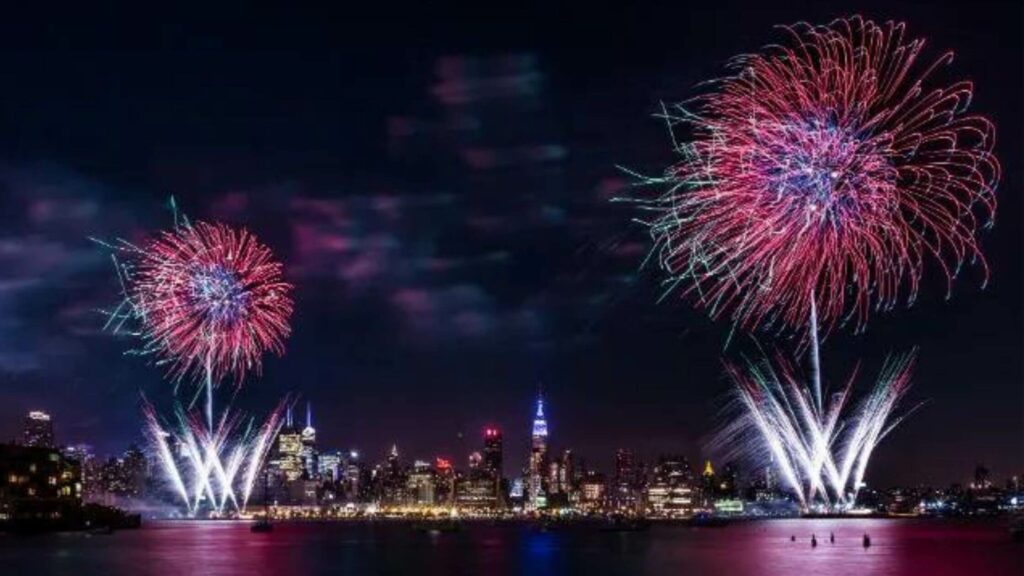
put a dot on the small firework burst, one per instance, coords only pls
(209, 299)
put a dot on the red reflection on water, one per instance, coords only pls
(898, 548)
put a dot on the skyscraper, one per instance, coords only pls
(494, 464)
(308, 451)
(493, 457)
(536, 493)
(625, 483)
(38, 430)
(421, 484)
(329, 466)
(671, 493)
(288, 452)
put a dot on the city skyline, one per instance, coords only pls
(37, 429)
(301, 479)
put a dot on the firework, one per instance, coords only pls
(207, 301)
(210, 300)
(813, 186)
(215, 465)
(825, 172)
(820, 454)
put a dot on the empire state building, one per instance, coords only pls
(536, 494)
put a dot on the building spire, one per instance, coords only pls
(309, 415)
(288, 417)
(540, 424)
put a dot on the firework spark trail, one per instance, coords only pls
(222, 464)
(823, 173)
(159, 437)
(776, 410)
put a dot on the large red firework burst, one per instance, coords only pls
(211, 300)
(823, 174)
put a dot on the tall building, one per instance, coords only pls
(308, 450)
(708, 485)
(493, 465)
(536, 489)
(422, 484)
(493, 457)
(329, 466)
(671, 492)
(592, 491)
(38, 431)
(392, 481)
(287, 460)
(354, 484)
(625, 483)
(445, 483)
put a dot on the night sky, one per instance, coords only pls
(439, 189)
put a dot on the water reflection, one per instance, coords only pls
(902, 548)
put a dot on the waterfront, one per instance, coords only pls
(899, 547)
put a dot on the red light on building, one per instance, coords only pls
(443, 464)
(491, 432)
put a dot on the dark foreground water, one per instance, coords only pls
(899, 547)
